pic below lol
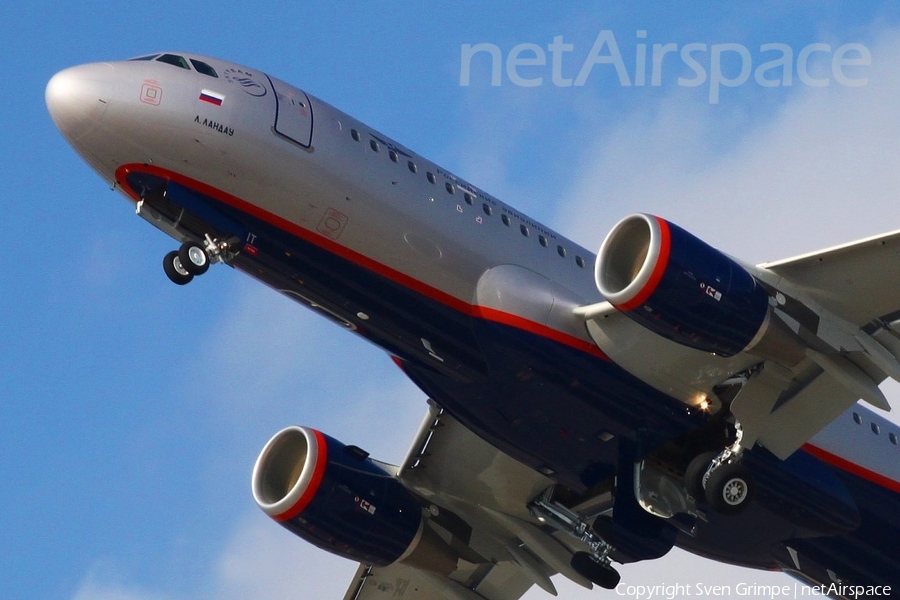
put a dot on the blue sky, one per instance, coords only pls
(131, 410)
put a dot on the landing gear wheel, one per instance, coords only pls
(693, 475)
(729, 489)
(194, 258)
(598, 573)
(174, 269)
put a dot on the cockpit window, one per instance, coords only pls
(174, 59)
(204, 68)
(148, 57)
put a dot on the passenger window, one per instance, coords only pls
(174, 59)
(487, 209)
(579, 261)
(561, 251)
(393, 156)
(430, 177)
(203, 68)
(354, 134)
(524, 230)
(469, 200)
(412, 166)
(875, 429)
(857, 419)
(373, 145)
(505, 220)
(450, 188)
(543, 241)
(893, 438)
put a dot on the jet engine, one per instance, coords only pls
(338, 499)
(680, 287)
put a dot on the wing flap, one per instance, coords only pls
(480, 508)
(806, 414)
(500, 582)
(485, 477)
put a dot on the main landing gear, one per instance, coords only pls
(596, 569)
(192, 259)
(721, 479)
(595, 565)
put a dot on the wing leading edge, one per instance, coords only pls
(859, 281)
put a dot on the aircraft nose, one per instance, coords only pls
(77, 98)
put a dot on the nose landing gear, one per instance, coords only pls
(193, 259)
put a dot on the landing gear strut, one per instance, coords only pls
(193, 259)
(594, 565)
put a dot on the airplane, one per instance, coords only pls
(584, 409)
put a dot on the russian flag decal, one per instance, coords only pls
(211, 97)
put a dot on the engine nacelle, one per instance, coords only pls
(680, 287)
(336, 498)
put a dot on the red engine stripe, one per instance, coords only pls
(313, 488)
(662, 262)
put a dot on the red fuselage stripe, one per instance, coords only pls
(356, 257)
(852, 468)
(316, 481)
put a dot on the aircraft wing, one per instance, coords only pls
(480, 497)
(859, 281)
(854, 293)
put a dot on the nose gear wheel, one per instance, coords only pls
(175, 270)
(193, 259)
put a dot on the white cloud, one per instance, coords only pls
(264, 561)
(261, 353)
(259, 560)
(106, 582)
(105, 591)
(821, 172)
(271, 363)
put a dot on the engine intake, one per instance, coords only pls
(339, 500)
(680, 287)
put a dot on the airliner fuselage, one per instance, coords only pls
(475, 301)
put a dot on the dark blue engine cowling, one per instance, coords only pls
(680, 287)
(335, 497)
